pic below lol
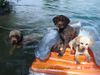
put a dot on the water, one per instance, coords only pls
(36, 16)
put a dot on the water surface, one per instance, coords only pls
(36, 16)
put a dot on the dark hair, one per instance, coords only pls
(63, 18)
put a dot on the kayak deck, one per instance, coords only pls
(66, 65)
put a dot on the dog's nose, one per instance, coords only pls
(13, 41)
(83, 49)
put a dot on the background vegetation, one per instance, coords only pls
(5, 7)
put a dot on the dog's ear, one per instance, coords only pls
(10, 34)
(91, 42)
(55, 19)
(77, 40)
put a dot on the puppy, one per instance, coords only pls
(65, 31)
(81, 45)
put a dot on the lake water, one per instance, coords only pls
(36, 16)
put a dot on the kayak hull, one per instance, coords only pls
(66, 65)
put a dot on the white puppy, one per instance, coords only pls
(81, 44)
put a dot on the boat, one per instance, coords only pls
(66, 64)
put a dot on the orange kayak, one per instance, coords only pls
(66, 65)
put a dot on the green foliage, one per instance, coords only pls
(5, 7)
(2, 3)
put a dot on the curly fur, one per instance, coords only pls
(66, 33)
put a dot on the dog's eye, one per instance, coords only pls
(81, 43)
(12, 36)
(86, 44)
(17, 37)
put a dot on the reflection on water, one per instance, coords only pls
(36, 16)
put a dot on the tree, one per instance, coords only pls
(2, 3)
(5, 7)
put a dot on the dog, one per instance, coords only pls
(16, 37)
(81, 44)
(66, 33)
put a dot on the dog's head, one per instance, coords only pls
(15, 37)
(84, 42)
(61, 21)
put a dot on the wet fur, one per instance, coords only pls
(66, 33)
(16, 37)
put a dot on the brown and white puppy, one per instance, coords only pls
(65, 31)
(81, 45)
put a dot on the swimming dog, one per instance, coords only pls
(16, 37)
